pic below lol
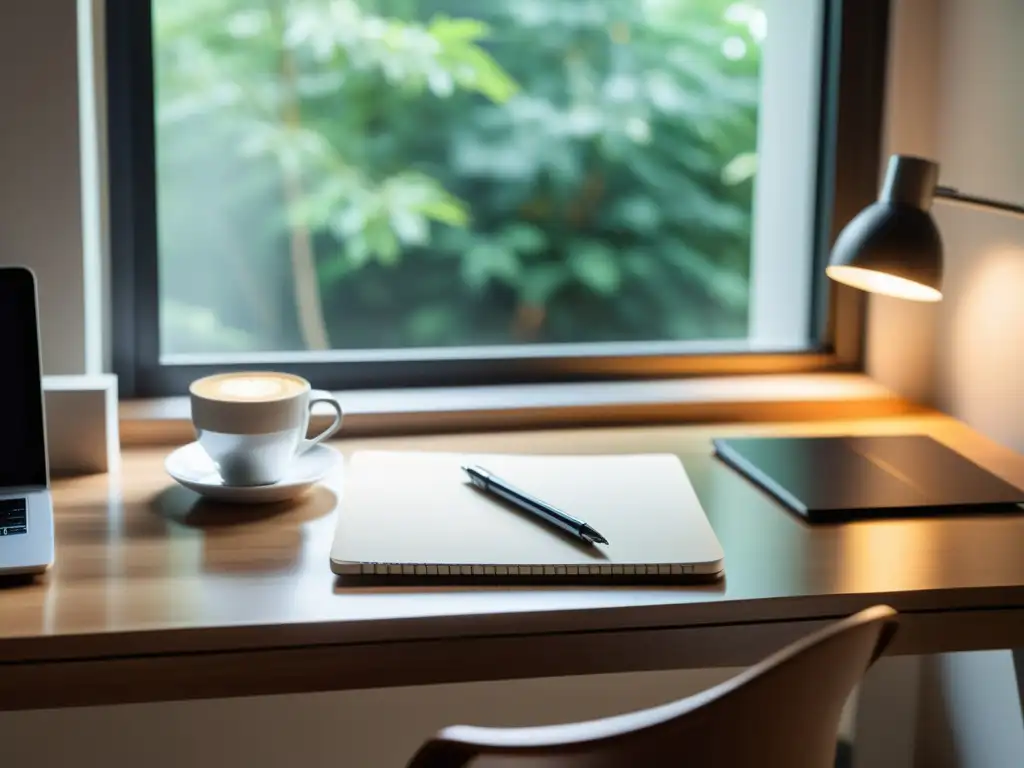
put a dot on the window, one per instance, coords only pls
(382, 192)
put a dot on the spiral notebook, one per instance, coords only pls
(415, 515)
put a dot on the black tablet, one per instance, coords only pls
(828, 479)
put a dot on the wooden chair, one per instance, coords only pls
(781, 713)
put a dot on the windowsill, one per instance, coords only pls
(788, 397)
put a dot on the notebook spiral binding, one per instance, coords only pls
(391, 569)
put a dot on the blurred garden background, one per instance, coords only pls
(351, 174)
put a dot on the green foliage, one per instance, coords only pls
(469, 172)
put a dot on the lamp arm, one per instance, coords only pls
(955, 195)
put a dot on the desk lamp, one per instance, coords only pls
(893, 247)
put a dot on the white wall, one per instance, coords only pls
(40, 192)
(981, 126)
(957, 95)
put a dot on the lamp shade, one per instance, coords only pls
(893, 247)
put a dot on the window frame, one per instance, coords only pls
(850, 124)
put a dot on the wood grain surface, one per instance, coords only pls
(157, 594)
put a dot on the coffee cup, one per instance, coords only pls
(253, 425)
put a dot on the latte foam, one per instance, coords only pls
(249, 387)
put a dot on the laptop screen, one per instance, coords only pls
(22, 441)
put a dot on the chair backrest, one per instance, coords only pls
(783, 711)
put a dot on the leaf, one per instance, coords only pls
(470, 65)
(638, 213)
(336, 268)
(440, 55)
(593, 264)
(714, 279)
(741, 168)
(447, 210)
(523, 238)
(449, 30)
(488, 261)
(330, 204)
(410, 227)
(381, 242)
(357, 251)
(419, 193)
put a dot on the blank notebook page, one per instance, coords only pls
(403, 510)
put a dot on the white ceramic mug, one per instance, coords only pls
(253, 425)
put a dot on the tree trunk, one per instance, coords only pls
(308, 305)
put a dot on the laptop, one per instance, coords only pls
(26, 509)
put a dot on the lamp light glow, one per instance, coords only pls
(882, 283)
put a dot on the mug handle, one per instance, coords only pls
(320, 396)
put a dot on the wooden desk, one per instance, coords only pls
(155, 596)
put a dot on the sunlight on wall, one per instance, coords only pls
(987, 341)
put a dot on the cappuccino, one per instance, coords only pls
(253, 425)
(249, 387)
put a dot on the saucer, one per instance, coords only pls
(193, 468)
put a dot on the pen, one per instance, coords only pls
(489, 483)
